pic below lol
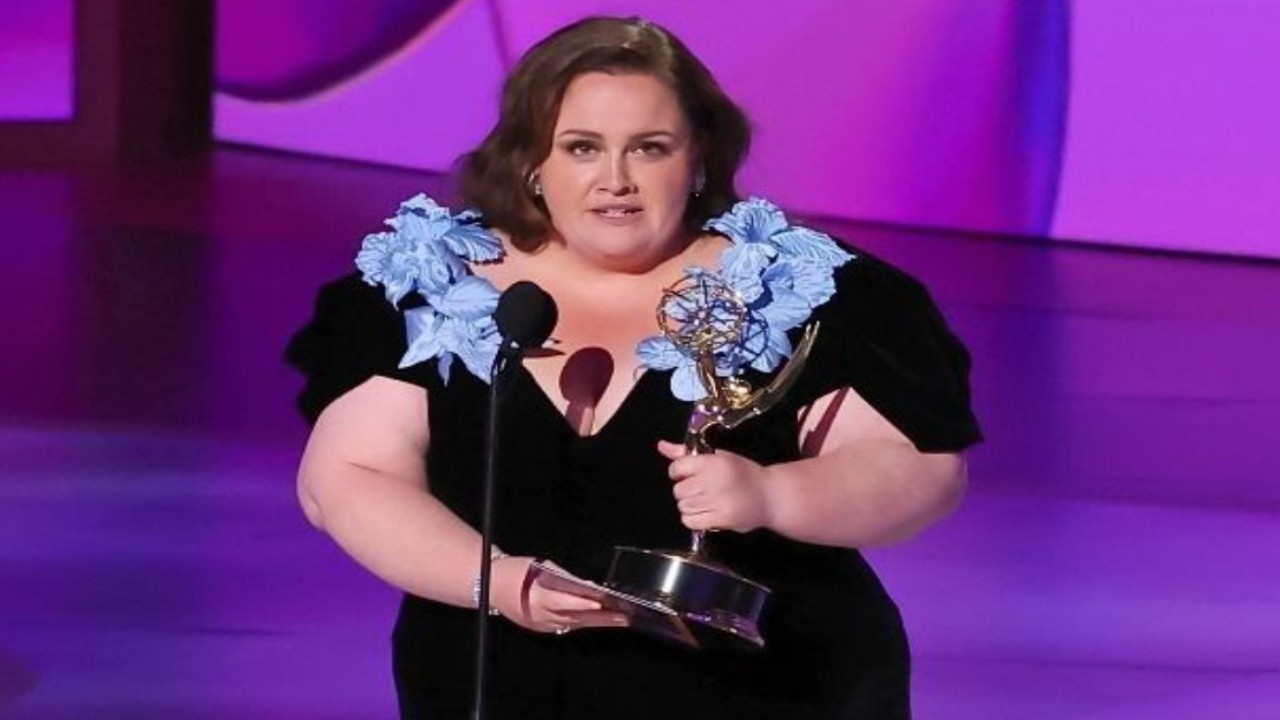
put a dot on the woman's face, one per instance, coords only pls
(620, 171)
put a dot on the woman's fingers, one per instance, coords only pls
(545, 598)
(720, 490)
(670, 450)
(556, 602)
(598, 619)
(562, 612)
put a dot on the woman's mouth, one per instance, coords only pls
(616, 212)
(618, 215)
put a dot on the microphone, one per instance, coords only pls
(526, 315)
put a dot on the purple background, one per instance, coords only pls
(1081, 120)
(1174, 125)
(1109, 563)
(36, 78)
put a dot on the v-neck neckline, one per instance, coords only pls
(601, 429)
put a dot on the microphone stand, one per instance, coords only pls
(509, 355)
(525, 315)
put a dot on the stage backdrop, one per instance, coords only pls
(1173, 131)
(1143, 122)
(36, 75)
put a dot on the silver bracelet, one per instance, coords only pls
(494, 555)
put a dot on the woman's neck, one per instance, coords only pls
(670, 262)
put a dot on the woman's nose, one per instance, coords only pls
(617, 176)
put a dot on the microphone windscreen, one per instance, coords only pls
(526, 315)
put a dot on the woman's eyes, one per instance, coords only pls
(582, 148)
(652, 148)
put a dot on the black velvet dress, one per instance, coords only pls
(835, 642)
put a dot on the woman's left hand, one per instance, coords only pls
(718, 491)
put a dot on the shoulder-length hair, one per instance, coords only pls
(494, 178)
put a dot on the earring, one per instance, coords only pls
(534, 183)
(699, 182)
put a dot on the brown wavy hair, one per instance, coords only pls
(493, 178)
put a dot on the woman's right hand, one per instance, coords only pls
(522, 598)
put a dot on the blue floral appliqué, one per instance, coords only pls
(426, 251)
(781, 271)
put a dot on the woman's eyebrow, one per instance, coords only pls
(591, 134)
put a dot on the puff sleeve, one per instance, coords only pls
(354, 334)
(882, 335)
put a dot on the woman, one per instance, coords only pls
(609, 174)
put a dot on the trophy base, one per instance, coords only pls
(720, 607)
